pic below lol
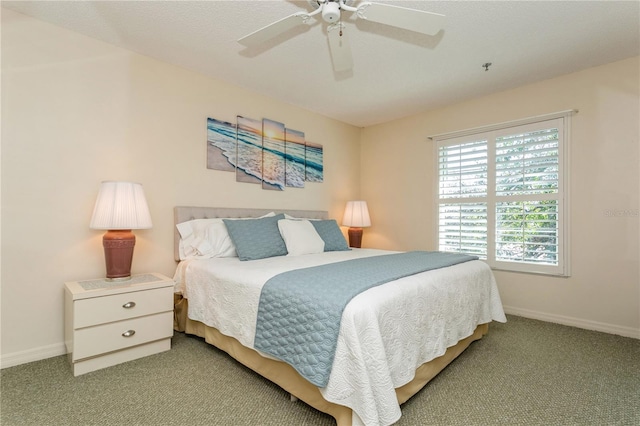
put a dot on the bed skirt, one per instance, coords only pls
(291, 381)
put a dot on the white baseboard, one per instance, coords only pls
(36, 354)
(575, 322)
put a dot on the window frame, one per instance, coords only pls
(560, 120)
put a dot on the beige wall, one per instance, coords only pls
(604, 290)
(75, 112)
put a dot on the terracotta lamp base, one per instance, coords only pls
(355, 237)
(118, 253)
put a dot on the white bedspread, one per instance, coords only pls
(385, 334)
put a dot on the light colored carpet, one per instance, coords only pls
(525, 372)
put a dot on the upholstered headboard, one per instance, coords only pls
(183, 214)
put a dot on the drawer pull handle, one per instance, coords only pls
(128, 333)
(129, 305)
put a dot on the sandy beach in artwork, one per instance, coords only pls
(217, 161)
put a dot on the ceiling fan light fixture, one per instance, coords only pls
(331, 12)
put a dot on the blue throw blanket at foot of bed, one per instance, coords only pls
(300, 311)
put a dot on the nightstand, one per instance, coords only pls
(110, 322)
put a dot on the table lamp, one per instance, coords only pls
(356, 217)
(120, 207)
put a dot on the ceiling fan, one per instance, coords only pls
(331, 12)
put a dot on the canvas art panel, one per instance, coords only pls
(221, 145)
(273, 155)
(249, 150)
(295, 158)
(314, 163)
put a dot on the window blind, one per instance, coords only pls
(501, 196)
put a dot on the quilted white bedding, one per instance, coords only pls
(386, 332)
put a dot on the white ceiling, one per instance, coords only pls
(396, 73)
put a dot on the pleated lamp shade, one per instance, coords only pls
(121, 205)
(356, 217)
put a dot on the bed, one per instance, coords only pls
(377, 364)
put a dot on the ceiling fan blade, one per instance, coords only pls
(339, 47)
(402, 17)
(274, 29)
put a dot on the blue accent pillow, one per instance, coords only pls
(257, 238)
(331, 234)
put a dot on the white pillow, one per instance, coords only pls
(215, 242)
(195, 235)
(206, 238)
(300, 237)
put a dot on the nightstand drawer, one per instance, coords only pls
(105, 338)
(116, 307)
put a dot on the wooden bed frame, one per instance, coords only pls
(280, 372)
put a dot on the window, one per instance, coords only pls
(501, 194)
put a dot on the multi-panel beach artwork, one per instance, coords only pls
(264, 152)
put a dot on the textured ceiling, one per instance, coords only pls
(396, 73)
